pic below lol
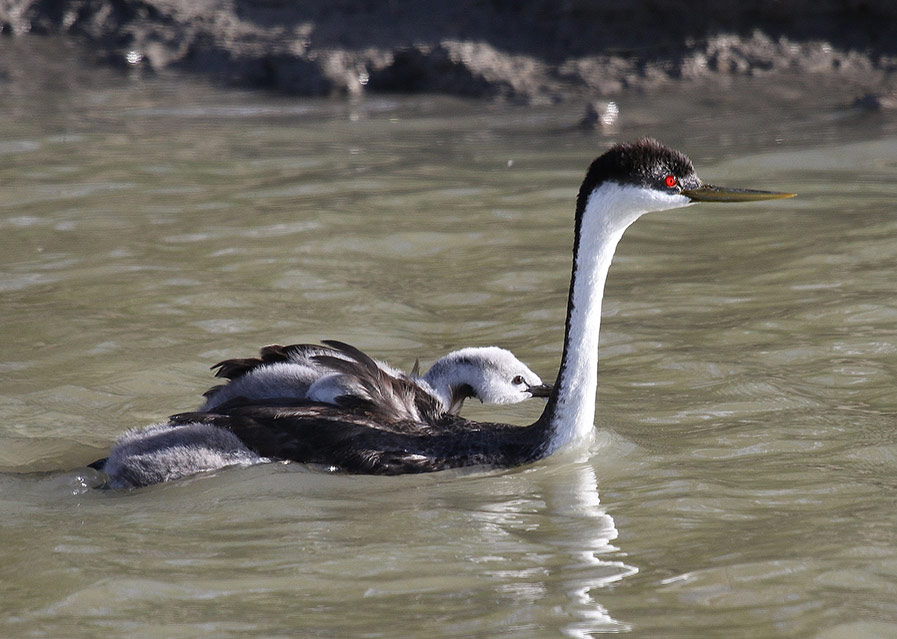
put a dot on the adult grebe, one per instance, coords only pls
(626, 182)
(300, 371)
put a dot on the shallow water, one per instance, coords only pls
(743, 476)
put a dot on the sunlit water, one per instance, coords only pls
(743, 478)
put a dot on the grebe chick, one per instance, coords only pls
(620, 186)
(489, 373)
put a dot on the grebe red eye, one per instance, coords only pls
(670, 181)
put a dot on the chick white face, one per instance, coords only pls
(491, 374)
(501, 378)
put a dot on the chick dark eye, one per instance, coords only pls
(517, 380)
(671, 181)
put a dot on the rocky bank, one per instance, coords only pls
(527, 51)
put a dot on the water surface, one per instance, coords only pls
(742, 478)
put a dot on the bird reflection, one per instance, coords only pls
(551, 548)
(592, 569)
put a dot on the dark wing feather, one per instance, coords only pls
(234, 368)
(271, 354)
(353, 353)
(360, 441)
(395, 398)
(209, 394)
(398, 395)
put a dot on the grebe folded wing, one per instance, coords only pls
(361, 439)
(368, 385)
(278, 371)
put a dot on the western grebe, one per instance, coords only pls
(621, 185)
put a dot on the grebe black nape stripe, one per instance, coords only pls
(620, 186)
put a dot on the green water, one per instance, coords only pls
(743, 477)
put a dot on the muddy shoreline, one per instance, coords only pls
(525, 51)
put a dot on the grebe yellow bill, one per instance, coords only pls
(710, 193)
(620, 186)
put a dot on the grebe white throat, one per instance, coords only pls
(610, 209)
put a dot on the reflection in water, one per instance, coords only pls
(572, 535)
(590, 571)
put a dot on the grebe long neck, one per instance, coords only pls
(620, 186)
(603, 215)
